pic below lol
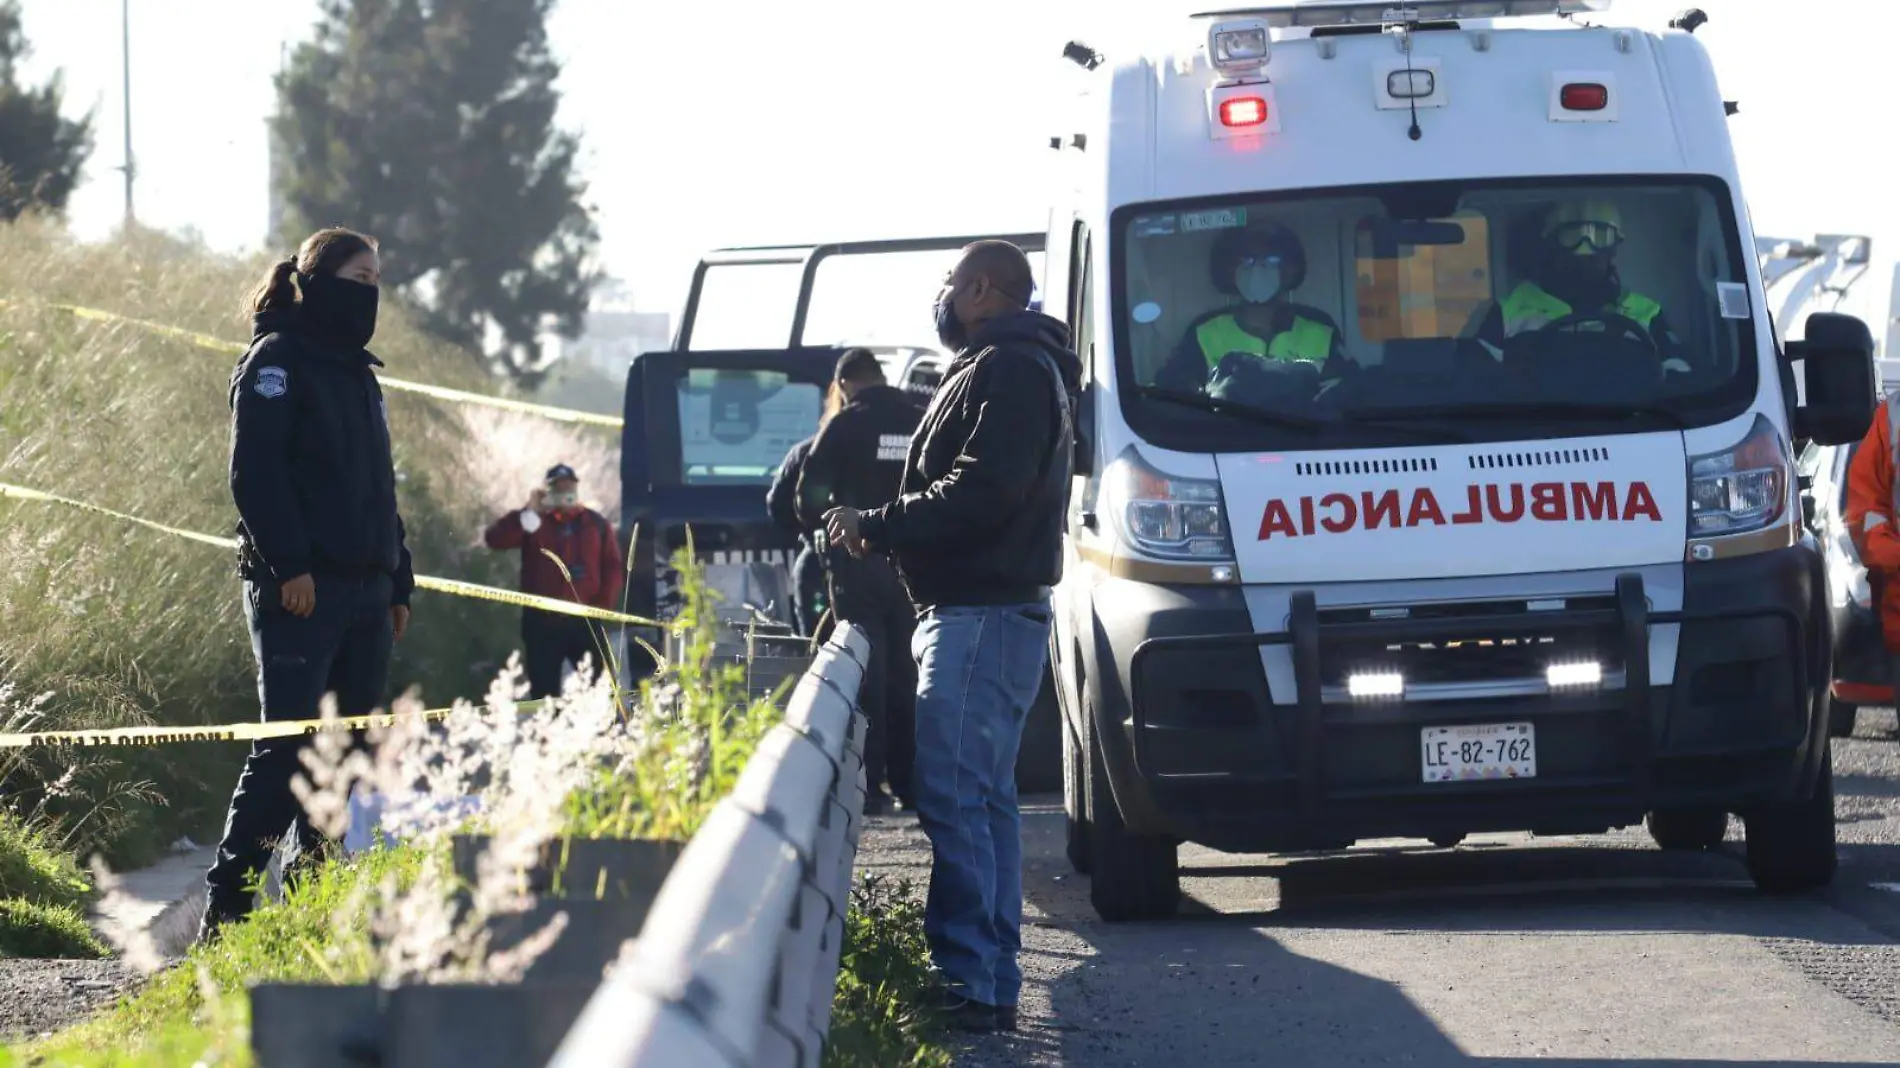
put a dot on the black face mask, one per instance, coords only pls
(339, 309)
(950, 329)
(1585, 281)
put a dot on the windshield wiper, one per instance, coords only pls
(1268, 417)
(1220, 406)
(1523, 410)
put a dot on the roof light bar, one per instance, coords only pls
(1399, 12)
(1239, 47)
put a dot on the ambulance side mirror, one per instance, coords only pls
(1837, 369)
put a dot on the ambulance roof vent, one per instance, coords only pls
(1332, 13)
(1541, 458)
(1401, 465)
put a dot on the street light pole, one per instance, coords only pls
(130, 168)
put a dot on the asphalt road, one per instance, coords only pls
(1587, 951)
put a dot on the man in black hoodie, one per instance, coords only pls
(976, 531)
(857, 461)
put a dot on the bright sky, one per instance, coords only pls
(859, 118)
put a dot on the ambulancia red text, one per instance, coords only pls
(1538, 502)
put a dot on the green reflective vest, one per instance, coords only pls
(1304, 342)
(1529, 307)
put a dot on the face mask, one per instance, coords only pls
(1587, 280)
(1258, 284)
(340, 309)
(950, 329)
(562, 501)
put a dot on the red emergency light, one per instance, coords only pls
(1242, 111)
(1585, 96)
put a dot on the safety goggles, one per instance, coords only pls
(1599, 236)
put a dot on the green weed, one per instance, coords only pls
(879, 1017)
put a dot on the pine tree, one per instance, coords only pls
(430, 123)
(41, 152)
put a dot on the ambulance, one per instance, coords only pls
(1435, 453)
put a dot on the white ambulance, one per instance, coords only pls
(1435, 464)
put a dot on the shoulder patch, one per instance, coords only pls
(272, 382)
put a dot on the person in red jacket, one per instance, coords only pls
(1871, 515)
(584, 541)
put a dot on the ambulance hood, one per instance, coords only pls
(1457, 511)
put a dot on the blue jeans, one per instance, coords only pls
(978, 671)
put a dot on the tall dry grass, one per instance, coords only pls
(119, 625)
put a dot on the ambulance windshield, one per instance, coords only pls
(1487, 310)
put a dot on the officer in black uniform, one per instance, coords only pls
(327, 574)
(808, 568)
(857, 461)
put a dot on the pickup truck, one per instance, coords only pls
(706, 428)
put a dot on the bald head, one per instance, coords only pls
(991, 279)
(1004, 266)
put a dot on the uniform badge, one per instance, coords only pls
(272, 381)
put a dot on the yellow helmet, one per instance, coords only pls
(1583, 227)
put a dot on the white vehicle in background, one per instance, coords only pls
(1551, 579)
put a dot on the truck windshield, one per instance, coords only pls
(1488, 310)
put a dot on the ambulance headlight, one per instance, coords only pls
(1740, 489)
(1167, 516)
(1238, 47)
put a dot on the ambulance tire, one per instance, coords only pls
(1075, 809)
(1791, 845)
(1039, 760)
(1690, 829)
(1131, 877)
(1840, 719)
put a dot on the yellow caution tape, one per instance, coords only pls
(459, 396)
(228, 732)
(453, 587)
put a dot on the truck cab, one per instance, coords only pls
(709, 421)
(1435, 468)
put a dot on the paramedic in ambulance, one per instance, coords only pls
(1263, 329)
(858, 462)
(1574, 274)
(555, 521)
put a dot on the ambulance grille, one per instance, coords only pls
(1541, 458)
(1400, 466)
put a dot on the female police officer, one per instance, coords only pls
(326, 573)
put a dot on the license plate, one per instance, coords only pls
(1476, 753)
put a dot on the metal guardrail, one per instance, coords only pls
(737, 962)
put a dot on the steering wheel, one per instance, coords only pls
(1613, 324)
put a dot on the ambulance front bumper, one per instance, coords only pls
(1216, 759)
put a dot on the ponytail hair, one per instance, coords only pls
(275, 291)
(324, 252)
(834, 400)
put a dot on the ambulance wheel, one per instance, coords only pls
(1791, 845)
(1689, 829)
(1075, 811)
(1039, 761)
(1132, 877)
(1840, 719)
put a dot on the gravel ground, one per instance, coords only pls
(1586, 951)
(39, 996)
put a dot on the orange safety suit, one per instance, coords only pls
(1871, 519)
